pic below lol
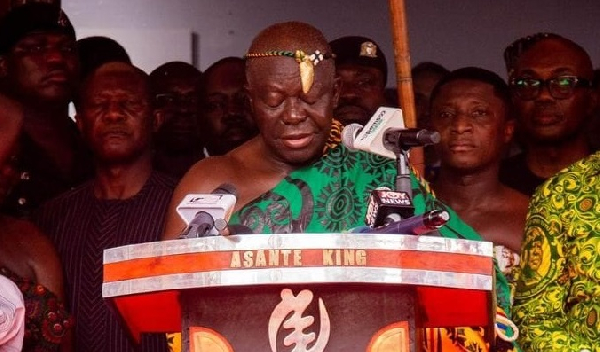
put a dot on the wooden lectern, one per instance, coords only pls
(301, 292)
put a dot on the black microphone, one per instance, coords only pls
(200, 226)
(421, 224)
(225, 188)
(386, 206)
(406, 138)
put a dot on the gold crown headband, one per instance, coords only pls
(307, 63)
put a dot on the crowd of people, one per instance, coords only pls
(517, 165)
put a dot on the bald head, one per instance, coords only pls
(292, 89)
(290, 37)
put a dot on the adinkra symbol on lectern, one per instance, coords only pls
(297, 305)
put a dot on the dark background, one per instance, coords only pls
(454, 33)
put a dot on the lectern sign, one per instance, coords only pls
(301, 292)
(287, 257)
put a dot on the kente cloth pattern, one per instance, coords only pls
(335, 136)
(46, 320)
(328, 196)
(557, 297)
(12, 316)
(81, 227)
(462, 340)
(331, 196)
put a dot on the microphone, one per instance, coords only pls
(396, 139)
(200, 225)
(207, 214)
(386, 206)
(385, 134)
(421, 224)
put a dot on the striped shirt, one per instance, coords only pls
(82, 226)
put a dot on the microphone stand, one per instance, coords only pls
(400, 149)
(402, 172)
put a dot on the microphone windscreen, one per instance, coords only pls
(349, 134)
(429, 137)
(225, 188)
(203, 217)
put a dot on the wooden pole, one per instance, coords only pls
(403, 78)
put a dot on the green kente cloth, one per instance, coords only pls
(331, 195)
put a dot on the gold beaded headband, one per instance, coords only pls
(307, 63)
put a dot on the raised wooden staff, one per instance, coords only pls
(403, 78)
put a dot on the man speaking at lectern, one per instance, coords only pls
(296, 176)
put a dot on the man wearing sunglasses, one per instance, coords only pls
(557, 300)
(550, 80)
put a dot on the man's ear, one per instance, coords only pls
(158, 118)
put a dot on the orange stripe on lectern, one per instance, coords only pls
(172, 264)
(435, 261)
(325, 258)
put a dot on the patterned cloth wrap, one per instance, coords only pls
(331, 196)
(12, 316)
(328, 196)
(46, 321)
(557, 293)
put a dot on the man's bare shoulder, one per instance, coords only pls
(209, 173)
(235, 168)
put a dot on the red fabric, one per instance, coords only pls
(152, 312)
(446, 307)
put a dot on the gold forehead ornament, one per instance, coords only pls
(307, 63)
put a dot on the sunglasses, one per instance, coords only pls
(561, 87)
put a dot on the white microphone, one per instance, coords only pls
(207, 214)
(385, 133)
